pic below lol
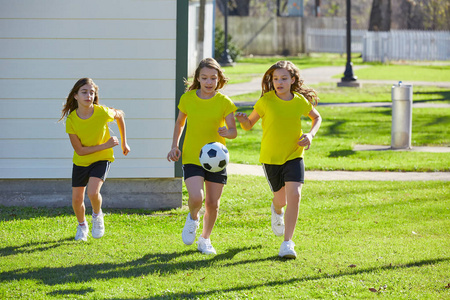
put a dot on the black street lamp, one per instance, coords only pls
(225, 58)
(349, 78)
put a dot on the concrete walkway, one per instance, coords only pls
(257, 170)
(325, 74)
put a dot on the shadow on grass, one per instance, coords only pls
(34, 247)
(442, 95)
(59, 293)
(10, 213)
(157, 263)
(297, 280)
(341, 153)
(440, 120)
(335, 127)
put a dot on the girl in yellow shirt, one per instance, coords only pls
(87, 126)
(207, 112)
(283, 101)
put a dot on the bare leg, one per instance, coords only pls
(293, 197)
(279, 199)
(212, 201)
(78, 203)
(194, 186)
(93, 191)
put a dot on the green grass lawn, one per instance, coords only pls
(352, 237)
(250, 67)
(405, 72)
(344, 127)
(330, 93)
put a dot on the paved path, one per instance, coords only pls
(325, 74)
(257, 170)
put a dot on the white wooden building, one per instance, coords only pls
(136, 52)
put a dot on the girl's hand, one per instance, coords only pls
(112, 142)
(223, 131)
(305, 140)
(241, 117)
(174, 154)
(125, 148)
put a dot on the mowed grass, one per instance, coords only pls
(360, 240)
(330, 93)
(248, 67)
(431, 73)
(344, 127)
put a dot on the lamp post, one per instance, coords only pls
(349, 79)
(225, 58)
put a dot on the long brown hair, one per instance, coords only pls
(207, 63)
(297, 86)
(71, 102)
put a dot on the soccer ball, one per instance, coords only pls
(214, 157)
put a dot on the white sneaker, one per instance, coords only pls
(82, 233)
(277, 222)
(205, 247)
(287, 250)
(190, 230)
(98, 226)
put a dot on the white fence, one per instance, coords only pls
(332, 40)
(382, 46)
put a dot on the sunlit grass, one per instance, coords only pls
(344, 127)
(351, 237)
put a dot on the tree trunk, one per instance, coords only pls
(380, 16)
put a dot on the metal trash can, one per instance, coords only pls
(402, 99)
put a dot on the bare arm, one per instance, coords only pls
(175, 153)
(306, 139)
(85, 150)
(119, 117)
(229, 131)
(247, 122)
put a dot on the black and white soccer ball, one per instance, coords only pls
(214, 157)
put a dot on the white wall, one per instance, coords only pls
(198, 51)
(127, 47)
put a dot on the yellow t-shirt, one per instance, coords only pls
(204, 117)
(282, 127)
(91, 132)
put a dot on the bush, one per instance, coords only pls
(219, 42)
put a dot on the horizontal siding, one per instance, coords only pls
(127, 47)
(112, 88)
(51, 109)
(62, 149)
(49, 129)
(82, 29)
(98, 9)
(62, 168)
(102, 69)
(93, 49)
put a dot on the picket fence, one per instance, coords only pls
(382, 46)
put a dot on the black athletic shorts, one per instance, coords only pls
(81, 175)
(278, 175)
(190, 170)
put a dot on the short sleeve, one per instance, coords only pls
(182, 104)
(110, 112)
(69, 127)
(260, 107)
(307, 105)
(230, 107)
